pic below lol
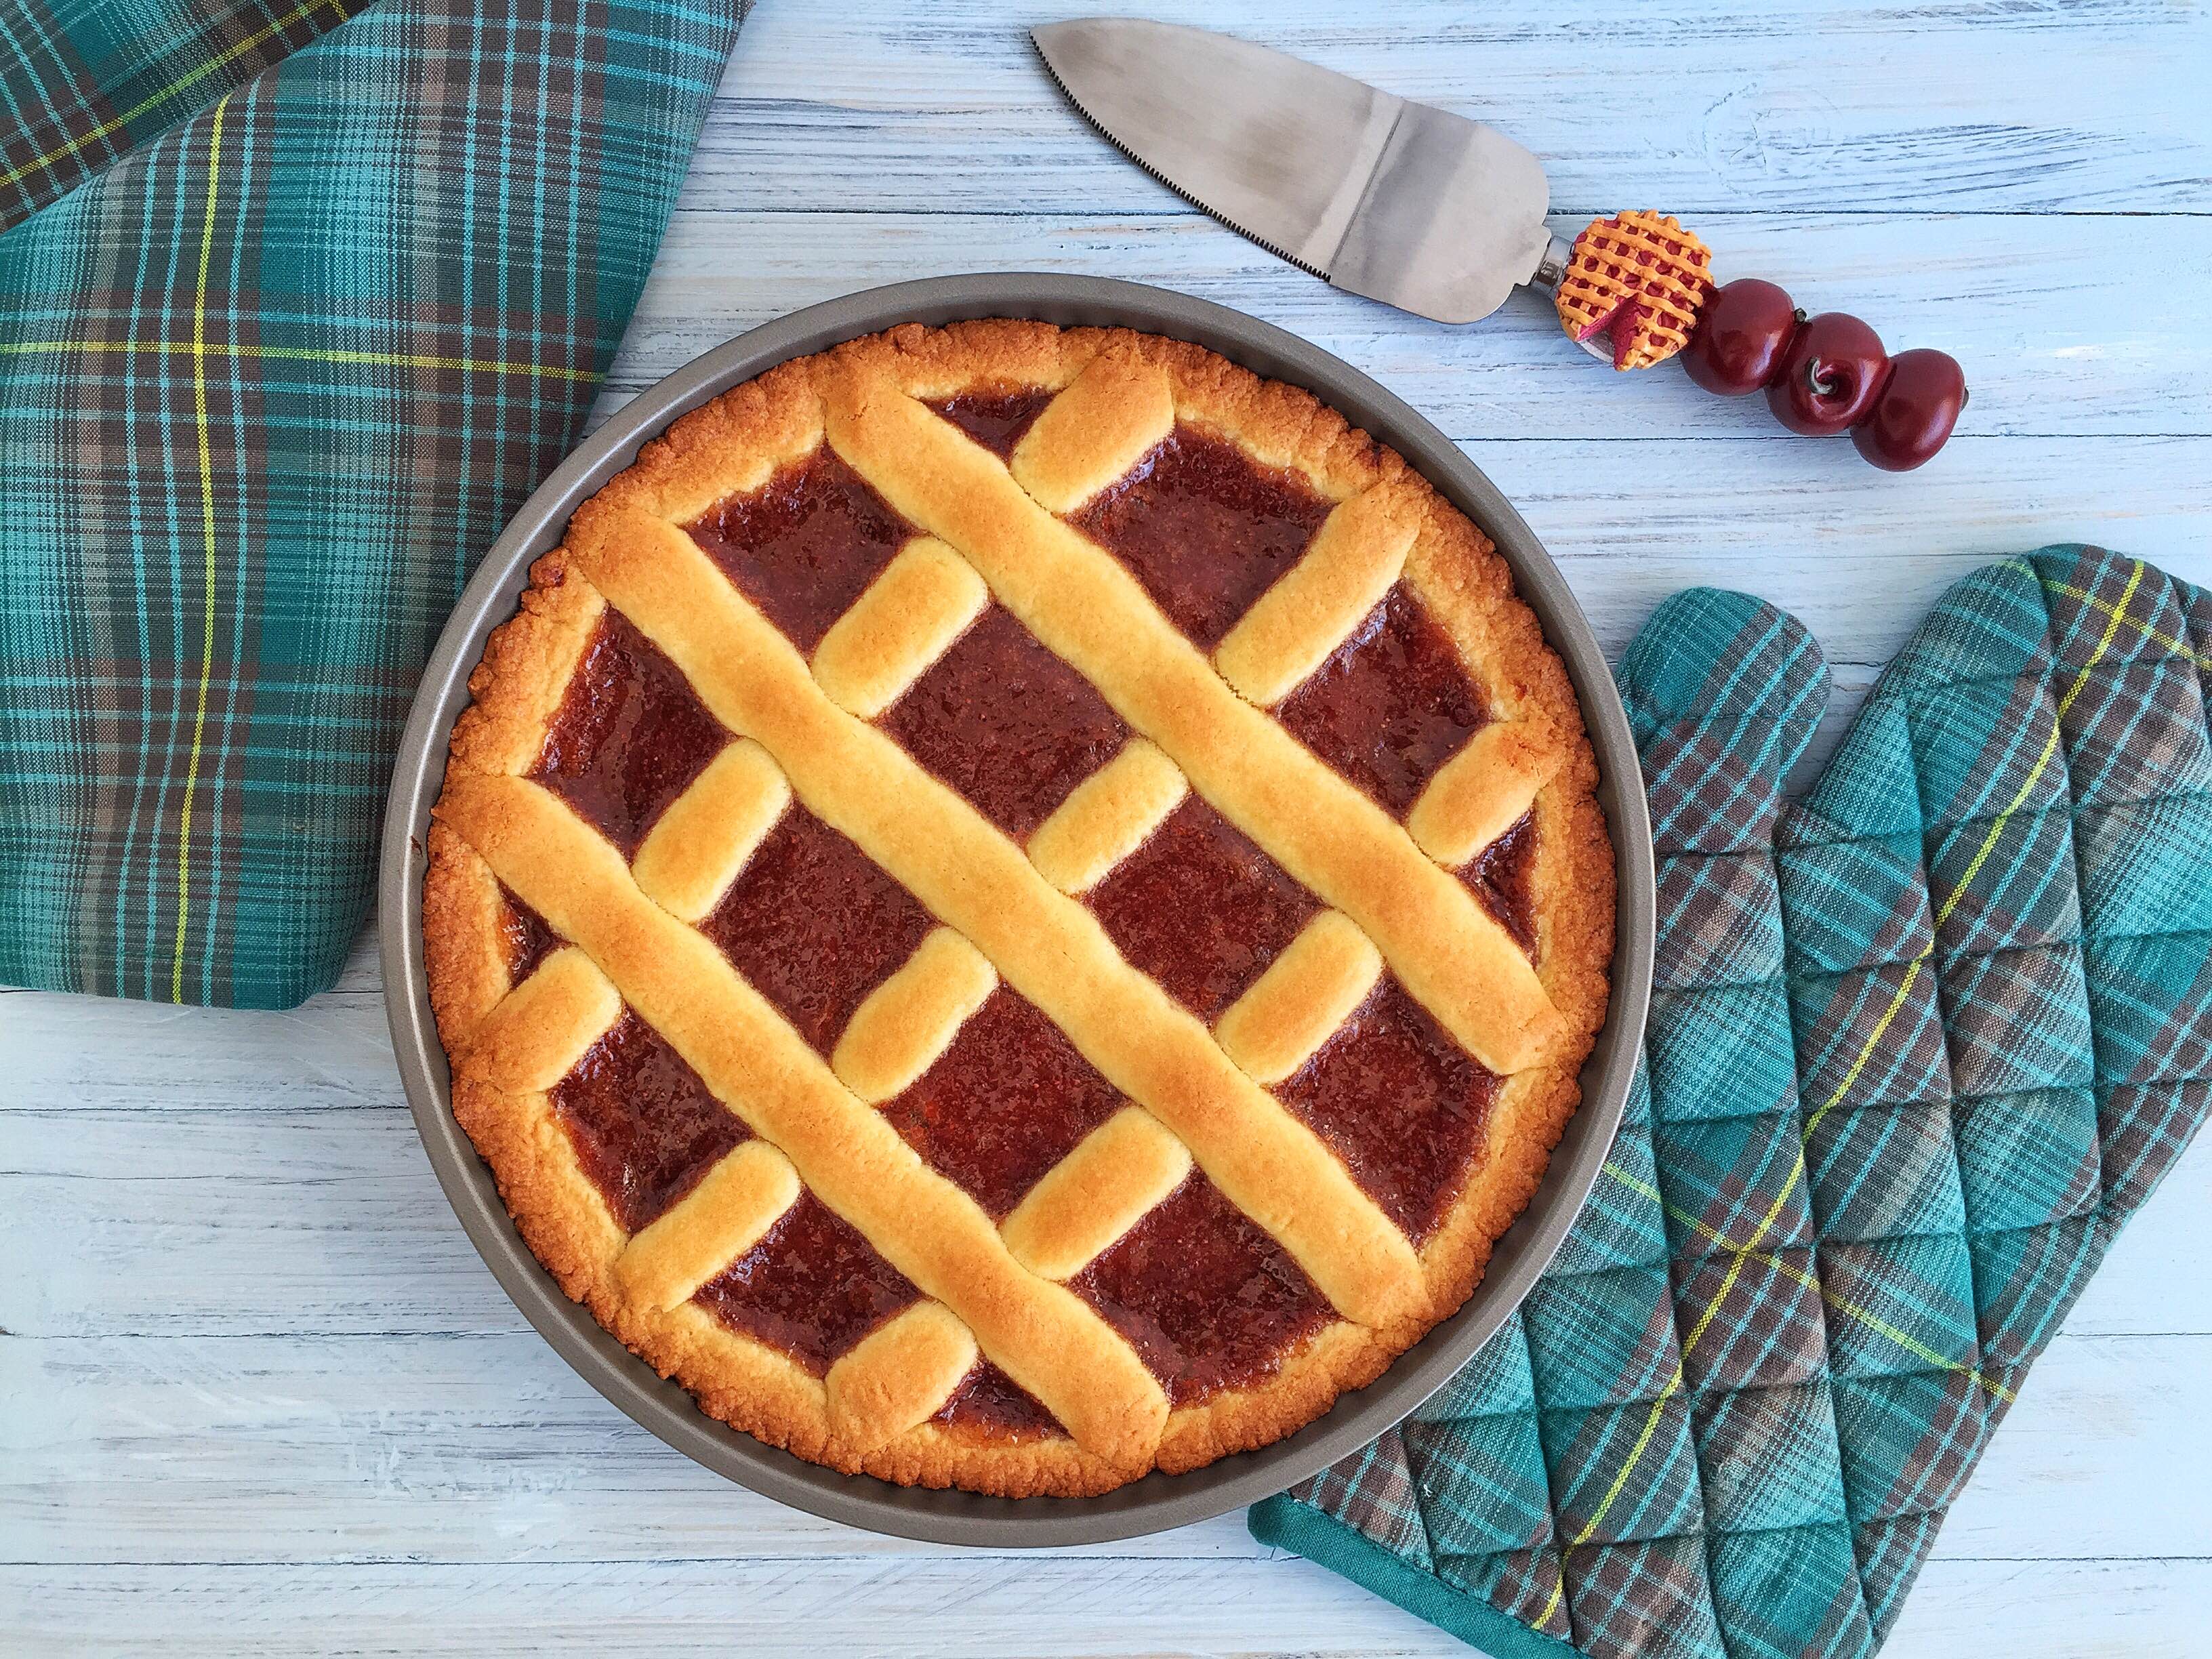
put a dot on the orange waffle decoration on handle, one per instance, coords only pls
(1637, 279)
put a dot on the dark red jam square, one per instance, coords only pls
(1391, 706)
(805, 544)
(1205, 528)
(1008, 725)
(1200, 908)
(630, 736)
(812, 1287)
(813, 924)
(1208, 1299)
(642, 1122)
(990, 1402)
(1403, 1105)
(1504, 878)
(525, 937)
(996, 420)
(1008, 1100)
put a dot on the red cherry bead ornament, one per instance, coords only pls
(1742, 330)
(1918, 408)
(1829, 377)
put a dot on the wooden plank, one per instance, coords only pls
(2104, 1456)
(1803, 106)
(486, 1448)
(1859, 565)
(389, 1447)
(2149, 1609)
(952, 1608)
(302, 1219)
(2067, 325)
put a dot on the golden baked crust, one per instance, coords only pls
(1203, 1093)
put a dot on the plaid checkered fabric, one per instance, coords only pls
(295, 307)
(1919, 1045)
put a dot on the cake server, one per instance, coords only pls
(1442, 215)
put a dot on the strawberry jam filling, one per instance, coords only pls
(1008, 1100)
(996, 420)
(1205, 528)
(806, 546)
(990, 1402)
(630, 736)
(814, 924)
(1200, 908)
(1391, 706)
(1006, 723)
(812, 1287)
(525, 937)
(1208, 1299)
(1504, 878)
(642, 1122)
(1401, 1103)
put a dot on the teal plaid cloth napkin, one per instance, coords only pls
(1920, 1044)
(295, 307)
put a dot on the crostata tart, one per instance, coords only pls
(1017, 907)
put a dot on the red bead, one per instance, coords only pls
(1829, 377)
(1913, 417)
(1742, 330)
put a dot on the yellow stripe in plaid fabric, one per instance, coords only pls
(2155, 634)
(208, 546)
(1872, 1320)
(246, 352)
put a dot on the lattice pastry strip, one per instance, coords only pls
(1110, 418)
(900, 1374)
(1101, 1189)
(909, 616)
(724, 1216)
(536, 1034)
(1480, 793)
(908, 1021)
(688, 858)
(1298, 623)
(1305, 996)
(1107, 816)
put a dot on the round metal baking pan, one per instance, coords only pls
(1158, 1501)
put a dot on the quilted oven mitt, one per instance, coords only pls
(1920, 1044)
(295, 307)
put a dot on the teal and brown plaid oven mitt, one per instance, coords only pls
(295, 306)
(1920, 1044)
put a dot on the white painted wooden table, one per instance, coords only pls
(256, 1392)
